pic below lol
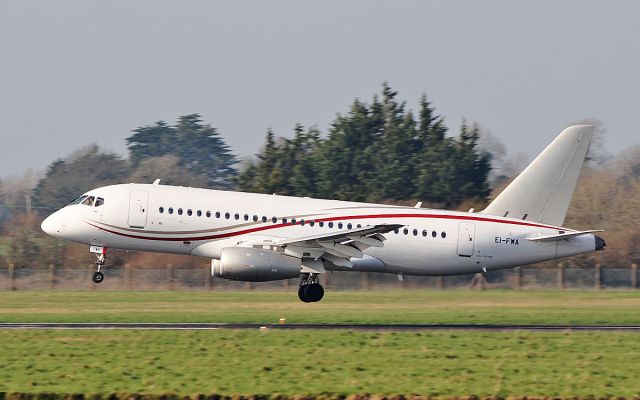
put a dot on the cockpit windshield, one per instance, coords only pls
(87, 200)
(78, 200)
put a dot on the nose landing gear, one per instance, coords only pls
(101, 256)
(310, 290)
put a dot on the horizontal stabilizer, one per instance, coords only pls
(561, 236)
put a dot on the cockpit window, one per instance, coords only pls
(88, 201)
(99, 201)
(79, 199)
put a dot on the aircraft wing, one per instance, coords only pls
(561, 236)
(335, 247)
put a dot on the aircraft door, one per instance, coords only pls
(138, 202)
(466, 237)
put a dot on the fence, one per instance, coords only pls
(176, 278)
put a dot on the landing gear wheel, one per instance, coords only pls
(98, 277)
(101, 257)
(310, 289)
(314, 292)
(302, 293)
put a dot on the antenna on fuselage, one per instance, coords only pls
(156, 182)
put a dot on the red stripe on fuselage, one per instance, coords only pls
(329, 219)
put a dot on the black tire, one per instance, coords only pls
(315, 292)
(319, 292)
(98, 277)
(302, 293)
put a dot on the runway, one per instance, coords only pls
(348, 327)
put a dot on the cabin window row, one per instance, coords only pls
(424, 233)
(255, 218)
(292, 221)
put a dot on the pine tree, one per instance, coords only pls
(304, 173)
(345, 159)
(151, 141)
(394, 162)
(431, 156)
(199, 147)
(203, 152)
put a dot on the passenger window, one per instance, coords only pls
(302, 222)
(237, 216)
(293, 221)
(405, 231)
(161, 209)
(227, 215)
(321, 224)
(339, 225)
(99, 201)
(424, 233)
(170, 210)
(179, 211)
(396, 231)
(415, 232)
(274, 220)
(284, 220)
(189, 212)
(312, 223)
(199, 213)
(255, 218)
(264, 218)
(359, 226)
(330, 224)
(434, 234)
(349, 226)
(443, 235)
(217, 214)
(208, 214)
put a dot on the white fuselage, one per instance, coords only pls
(202, 222)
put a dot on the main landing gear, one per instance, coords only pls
(310, 290)
(101, 256)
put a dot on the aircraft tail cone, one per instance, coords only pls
(600, 243)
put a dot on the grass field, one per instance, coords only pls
(398, 306)
(311, 362)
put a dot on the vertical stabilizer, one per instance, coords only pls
(542, 192)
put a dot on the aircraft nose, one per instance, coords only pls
(52, 225)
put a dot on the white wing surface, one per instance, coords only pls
(336, 247)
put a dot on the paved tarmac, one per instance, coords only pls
(350, 327)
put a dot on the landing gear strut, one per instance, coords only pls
(310, 290)
(101, 256)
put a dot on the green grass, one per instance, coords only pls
(312, 362)
(397, 306)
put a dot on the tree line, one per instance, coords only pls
(378, 151)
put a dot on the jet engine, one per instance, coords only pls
(255, 265)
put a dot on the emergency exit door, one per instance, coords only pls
(138, 201)
(466, 237)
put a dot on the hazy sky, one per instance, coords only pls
(79, 72)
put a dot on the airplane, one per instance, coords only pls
(261, 237)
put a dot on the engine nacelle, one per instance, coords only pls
(255, 265)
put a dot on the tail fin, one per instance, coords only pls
(542, 192)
